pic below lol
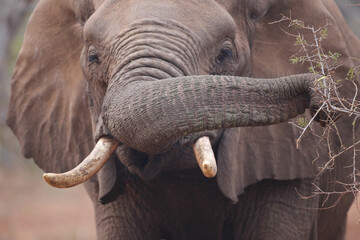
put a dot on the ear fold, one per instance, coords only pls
(350, 40)
(272, 47)
(249, 155)
(48, 109)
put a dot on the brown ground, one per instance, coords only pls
(43, 213)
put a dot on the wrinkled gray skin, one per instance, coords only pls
(141, 79)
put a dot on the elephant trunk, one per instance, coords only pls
(150, 104)
(150, 116)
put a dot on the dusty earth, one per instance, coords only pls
(31, 210)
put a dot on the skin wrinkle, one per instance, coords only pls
(165, 26)
(159, 63)
(182, 98)
(149, 139)
(146, 73)
(138, 56)
(268, 111)
(139, 28)
(292, 91)
(251, 98)
(154, 39)
(176, 50)
(274, 202)
(283, 94)
(130, 222)
(203, 86)
(159, 54)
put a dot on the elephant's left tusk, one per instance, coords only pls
(205, 156)
(101, 153)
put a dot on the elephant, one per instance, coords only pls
(155, 76)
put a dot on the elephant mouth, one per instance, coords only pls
(156, 141)
(106, 147)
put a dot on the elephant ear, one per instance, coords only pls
(48, 110)
(249, 155)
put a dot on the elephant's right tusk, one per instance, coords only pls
(101, 153)
(205, 156)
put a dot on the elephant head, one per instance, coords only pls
(156, 75)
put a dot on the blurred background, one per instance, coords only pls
(29, 208)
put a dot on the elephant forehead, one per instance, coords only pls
(206, 18)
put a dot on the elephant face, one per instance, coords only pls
(126, 69)
(146, 42)
(150, 41)
(153, 40)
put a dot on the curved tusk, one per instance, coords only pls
(205, 156)
(101, 153)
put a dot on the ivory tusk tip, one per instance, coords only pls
(100, 154)
(209, 169)
(49, 178)
(53, 180)
(205, 157)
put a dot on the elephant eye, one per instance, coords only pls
(224, 54)
(93, 58)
